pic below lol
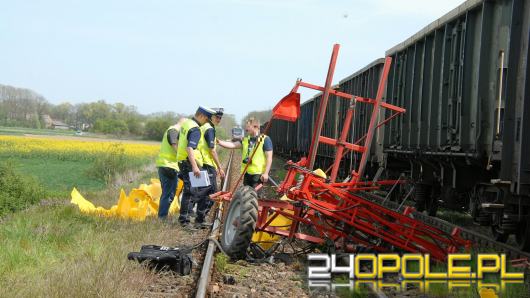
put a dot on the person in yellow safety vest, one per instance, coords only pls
(168, 168)
(190, 160)
(260, 165)
(210, 157)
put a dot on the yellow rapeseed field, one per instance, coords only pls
(70, 149)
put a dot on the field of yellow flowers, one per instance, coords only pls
(59, 164)
(70, 149)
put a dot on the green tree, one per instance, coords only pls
(224, 130)
(262, 116)
(155, 128)
(63, 112)
(111, 126)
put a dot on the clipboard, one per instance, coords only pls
(202, 181)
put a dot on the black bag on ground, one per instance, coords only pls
(164, 258)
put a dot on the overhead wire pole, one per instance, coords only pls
(322, 109)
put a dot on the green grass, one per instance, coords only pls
(24, 130)
(19, 131)
(278, 171)
(58, 176)
(17, 191)
(221, 260)
(50, 249)
(455, 217)
(54, 251)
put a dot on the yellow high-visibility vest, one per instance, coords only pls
(182, 154)
(167, 156)
(204, 148)
(259, 161)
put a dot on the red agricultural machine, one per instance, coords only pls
(321, 210)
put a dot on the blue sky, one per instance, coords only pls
(173, 55)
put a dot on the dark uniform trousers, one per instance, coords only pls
(204, 192)
(189, 197)
(169, 182)
(252, 180)
(212, 173)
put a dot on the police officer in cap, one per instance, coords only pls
(189, 160)
(210, 157)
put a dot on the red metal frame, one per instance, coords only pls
(339, 211)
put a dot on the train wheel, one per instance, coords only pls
(432, 202)
(421, 193)
(426, 197)
(479, 216)
(240, 223)
(523, 236)
(498, 234)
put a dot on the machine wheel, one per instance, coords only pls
(523, 236)
(240, 223)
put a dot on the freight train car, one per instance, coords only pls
(465, 138)
(363, 83)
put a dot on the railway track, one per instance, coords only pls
(206, 271)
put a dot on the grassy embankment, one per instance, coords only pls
(47, 247)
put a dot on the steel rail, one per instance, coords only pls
(204, 278)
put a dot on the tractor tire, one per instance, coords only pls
(240, 223)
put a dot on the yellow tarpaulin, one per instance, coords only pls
(267, 240)
(139, 204)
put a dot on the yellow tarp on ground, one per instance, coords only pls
(267, 240)
(139, 204)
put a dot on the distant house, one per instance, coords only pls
(56, 124)
(53, 124)
(47, 121)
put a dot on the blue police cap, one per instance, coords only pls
(218, 111)
(206, 111)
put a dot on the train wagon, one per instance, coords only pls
(465, 138)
